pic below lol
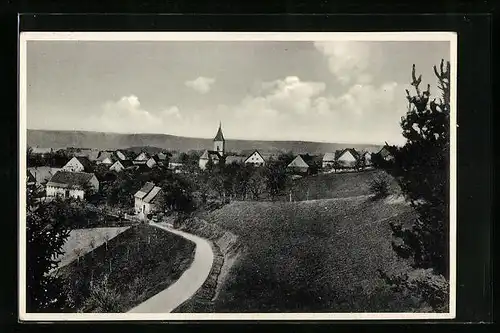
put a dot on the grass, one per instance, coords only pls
(82, 241)
(335, 185)
(132, 267)
(312, 256)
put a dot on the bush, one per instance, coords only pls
(379, 187)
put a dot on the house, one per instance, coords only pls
(72, 184)
(256, 159)
(235, 160)
(367, 158)
(42, 174)
(148, 200)
(30, 179)
(217, 154)
(175, 162)
(142, 158)
(106, 157)
(300, 164)
(78, 164)
(121, 156)
(386, 154)
(119, 165)
(348, 158)
(329, 160)
(153, 162)
(91, 154)
(209, 155)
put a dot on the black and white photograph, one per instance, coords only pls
(237, 176)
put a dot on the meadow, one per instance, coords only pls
(128, 269)
(313, 256)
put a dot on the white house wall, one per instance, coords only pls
(73, 165)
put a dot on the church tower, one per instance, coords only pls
(219, 142)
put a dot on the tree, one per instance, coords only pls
(47, 231)
(276, 179)
(257, 183)
(421, 168)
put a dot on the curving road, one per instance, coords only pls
(189, 282)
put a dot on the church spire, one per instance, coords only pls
(219, 136)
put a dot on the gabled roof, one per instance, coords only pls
(152, 194)
(353, 151)
(84, 161)
(144, 190)
(219, 136)
(30, 178)
(68, 179)
(161, 156)
(329, 157)
(255, 151)
(384, 152)
(146, 155)
(124, 163)
(210, 154)
(106, 154)
(43, 174)
(91, 154)
(298, 162)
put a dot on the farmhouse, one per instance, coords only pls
(300, 164)
(217, 154)
(72, 184)
(106, 157)
(78, 164)
(153, 162)
(367, 158)
(91, 154)
(119, 165)
(386, 154)
(142, 158)
(30, 179)
(148, 200)
(348, 158)
(42, 174)
(329, 160)
(256, 159)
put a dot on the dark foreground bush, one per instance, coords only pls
(379, 186)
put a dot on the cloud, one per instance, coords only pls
(350, 61)
(201, 84)
(127, 115)
(283, 96)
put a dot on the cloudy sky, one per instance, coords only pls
(316, 91)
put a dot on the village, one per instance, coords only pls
(77, 177)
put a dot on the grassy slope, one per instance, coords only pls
(82, 238)
(335, 185)
(310, 256)
(144, 261)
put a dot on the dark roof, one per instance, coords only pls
(31, 178)
(70, 179)
(307, 158)
(219, 136)
(144, 190)
(208, 154)
(384, 152)
(126, 163)
(353, 151)
(87, 165)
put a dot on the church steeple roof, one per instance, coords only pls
(219, 136)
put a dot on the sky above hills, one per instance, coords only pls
(314, 91)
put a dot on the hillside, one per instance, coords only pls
(312, 256)
(136, 264)
(100, 140)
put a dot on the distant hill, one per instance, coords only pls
(101, 140)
